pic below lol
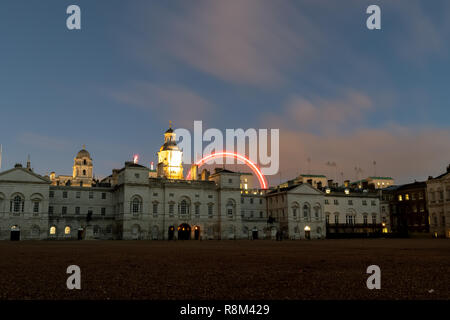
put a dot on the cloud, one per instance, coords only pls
(254, 42)
(166, 102)
(401, 152)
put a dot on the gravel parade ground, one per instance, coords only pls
(210, 270)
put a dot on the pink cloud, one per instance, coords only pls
(402, 152)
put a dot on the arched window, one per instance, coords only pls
(84, 162)
(67, 230)
(17, 204)
(52, 230)
(136, 205)
(317, 212)
(306, 211)
(184, 207)
(295, 209)
(84, 172)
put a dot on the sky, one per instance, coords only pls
(337, 91)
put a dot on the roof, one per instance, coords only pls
(381, 178)
(313, 175)
(83, 153)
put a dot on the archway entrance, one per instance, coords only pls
(307, 232)
(197, 233)
(15, 233)
(171, 232)
(184, 232)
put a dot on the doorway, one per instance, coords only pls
(80, 234)
(255, 234)
(171, 232)
(15, 233)
(197, 233)
(184, 232)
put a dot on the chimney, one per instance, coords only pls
(194, 172)
(205, 174)
(28, 163)
(330, 183)
(346, 183)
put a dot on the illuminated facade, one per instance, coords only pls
(438, 199)
(170, 158)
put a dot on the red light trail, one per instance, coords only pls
(225, 154)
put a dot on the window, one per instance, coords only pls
(17, 204)
(242, 200)
(103, 211)
(407, 196)
(230, 208)
(349, 219)
(294, 212)
(326, 201)
(230, 180)
(136, 175)
(260, 201)
(365, 219)
(336, 218)
(197, 209)
(317, 212)
(383, 209)
(171, 209)
(364, 202)
(155, 194)
(336, 201)
(306, 212)
(251, 200)
(251, 214)
(52, 230)
(210, 196)
(78, 195)
(52, 194)
(91, 195)
(65, 194)
(327, 218)
(84, 172)
(67, 230)
(135, 205)
(373, 203)
(350, 202)
(50, 210)
(35, 207)
(103, 195)
(64, 210)
(400, 198)
(170, 194)
(260, 214)
(374, 219)
(77, 210)
(155, 208)
(210, 210)
(184, 209)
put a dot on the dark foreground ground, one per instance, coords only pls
(323, 269)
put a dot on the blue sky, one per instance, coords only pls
(337, 91)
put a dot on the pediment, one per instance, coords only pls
(305, 188)
(22, 175)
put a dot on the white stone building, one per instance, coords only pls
(438, 199)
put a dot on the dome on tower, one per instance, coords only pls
(83, 153)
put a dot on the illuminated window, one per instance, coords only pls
(52, 230)
(406, 196)
(400, 198)
(67, 230)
